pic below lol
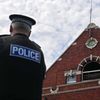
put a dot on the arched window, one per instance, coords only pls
(90, 67)
(91, 71)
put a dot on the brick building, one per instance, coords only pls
(76, 74)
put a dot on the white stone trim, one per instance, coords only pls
(54, 91)
(91, 25)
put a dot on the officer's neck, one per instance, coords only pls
(21, 34)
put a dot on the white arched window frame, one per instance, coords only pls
(85, 61)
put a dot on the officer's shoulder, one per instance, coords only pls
(36, 44)
(5, 35)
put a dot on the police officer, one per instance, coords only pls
(22, 65)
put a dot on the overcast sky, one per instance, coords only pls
(59, 22)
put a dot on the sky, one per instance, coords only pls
(58, 22)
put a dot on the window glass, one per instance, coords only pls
(71, 78)
(91, 71)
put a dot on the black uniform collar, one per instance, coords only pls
(20, 34)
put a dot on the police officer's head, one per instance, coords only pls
(21, 24)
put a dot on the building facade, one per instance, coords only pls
(76, 73)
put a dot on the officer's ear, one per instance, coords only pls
(11, 29)
(29, 33)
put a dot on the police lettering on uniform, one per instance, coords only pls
(24, 52)
(22, 65)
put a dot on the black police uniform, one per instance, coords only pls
(22, 68)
